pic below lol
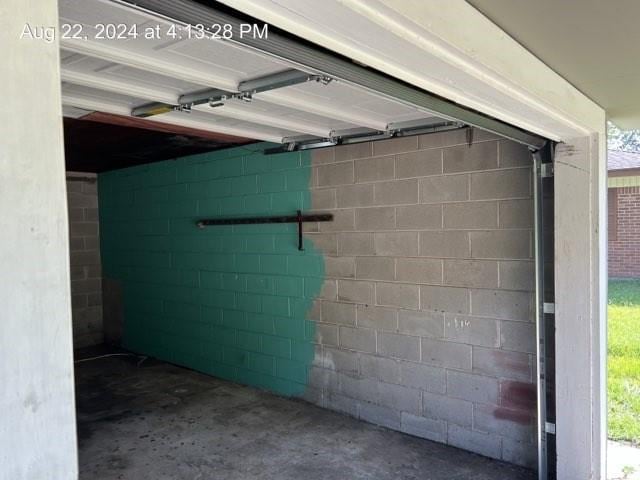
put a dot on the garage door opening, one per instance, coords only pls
(413, 309)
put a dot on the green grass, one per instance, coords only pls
(624, 360)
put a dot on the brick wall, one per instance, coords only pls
(86, 283)
(624, 232)
(425, 322)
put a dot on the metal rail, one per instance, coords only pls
(308, 57)
(298, 218)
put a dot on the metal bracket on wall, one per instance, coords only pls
(298, 218)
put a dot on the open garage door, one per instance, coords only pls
(183, 64)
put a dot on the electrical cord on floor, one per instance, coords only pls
(142, 357)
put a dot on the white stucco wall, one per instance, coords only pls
(37, 426)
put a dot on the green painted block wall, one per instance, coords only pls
(230, 301)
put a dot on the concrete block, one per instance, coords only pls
(343, 220)
(446, 354)
(447, 188)
(513, 154)
(360, 339)
(519, 453)
(80, 200)
(465, 158)
(335, 174)
(398, 397)
(91, 214)
(399, 346)
(419, 217)
(470, 215)
(92, 243)
(397, 295)
(340, 313)
(451, 410)
(329, 290)
(77, 272)
(321, 156)
(503, 364)
(76, 214)
(323, 378)
(326, 334)
(444, 299)
(435, 430)
(513, 424)
(396, 193)
(380, 368)
(327, 243)
(501, 184)
(355, 291)
(339, 403)
(423, 377)
(419, 164)
(443, 139)
(445, 244)
(396, 243)
(518, 395)
(340, 267)
(360, 388)
(518, 336)
(340, 360)
(76, 244)
(378, 415)
(516, 213)
(395, 145)
(378, 218)
(423, 324)
(355, 244)
(482, 443)
(507, 244)
(471, 273)
(517, 275)
(356, 150)
(472, 330)
(323, 199)
(355, 195)
(374, 169)
(380, 318)
(502, 304)
(83, 229)
(375, 268)
(473, 388)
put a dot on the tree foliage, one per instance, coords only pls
(626, 140)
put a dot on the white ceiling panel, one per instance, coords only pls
(116, 76)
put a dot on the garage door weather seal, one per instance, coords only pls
(315, 59)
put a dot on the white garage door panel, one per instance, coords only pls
(116, 76)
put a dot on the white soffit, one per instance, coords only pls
(591, 43)
(448, 48)
(116, 76)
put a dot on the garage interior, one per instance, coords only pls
(408, 316)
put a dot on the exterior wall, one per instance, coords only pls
(38, 428)
(426, 319)
(86, 275)
(624, 232)
(228, 301)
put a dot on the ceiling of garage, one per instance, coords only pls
(118, 76)
(591, 43)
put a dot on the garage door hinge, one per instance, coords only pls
(548, 307)
(550, 428)
(546, 170)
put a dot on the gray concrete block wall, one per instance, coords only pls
(86, 271)
(425, 324)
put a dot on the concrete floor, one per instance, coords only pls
(157, 421)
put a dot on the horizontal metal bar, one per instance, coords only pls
(151, 109)
(203, 96)
(312, 58)
(318, 217)
(291, 144)
(273, 81)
